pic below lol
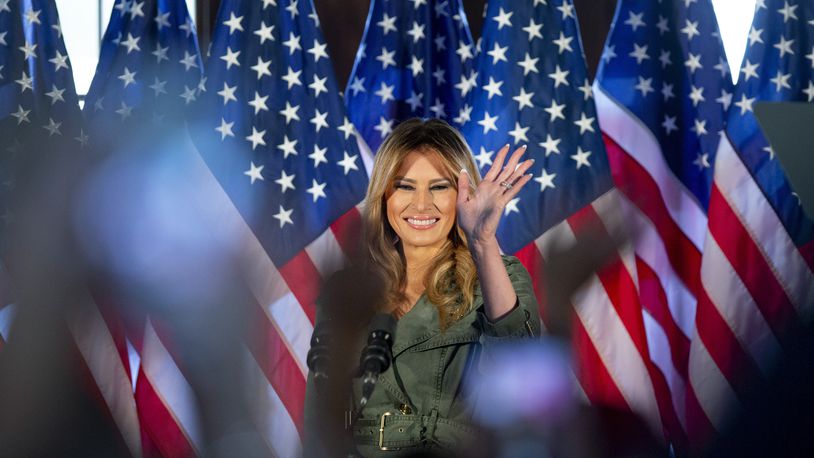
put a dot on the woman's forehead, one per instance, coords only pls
(422, 163)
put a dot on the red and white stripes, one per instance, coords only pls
(715, 291)
(166, 404)
(101, 349)
(669, 229)
(755, 283)
(613, 358)
(101, 344)
(282, 315)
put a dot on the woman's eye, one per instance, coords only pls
(439, 187)
(403, 186)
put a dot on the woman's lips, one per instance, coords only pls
(422, 224)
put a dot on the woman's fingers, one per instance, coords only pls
(497, 165)
(516, 187)
(511, 166)
(463, 186)
(520, 170)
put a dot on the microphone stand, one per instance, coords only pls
(375, 359)
(349, 305)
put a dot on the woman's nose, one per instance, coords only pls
(423, 200)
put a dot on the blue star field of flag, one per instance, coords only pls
(778, 66)
(532, 84)
(149, 69)
(672, 56)
(39, 109)
(415, 59)
(272, 126)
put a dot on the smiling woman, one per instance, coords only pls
(424, 198)
(430, 225)
(413, 187)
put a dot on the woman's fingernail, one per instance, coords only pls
(507, 145)
(525, 146)
(464, 171)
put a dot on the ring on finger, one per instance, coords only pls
(506, 185)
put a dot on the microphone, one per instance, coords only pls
(377, 354)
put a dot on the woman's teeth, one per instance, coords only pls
(421, 222)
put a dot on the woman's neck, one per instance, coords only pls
(418, 260)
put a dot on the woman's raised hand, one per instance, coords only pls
(479, 211)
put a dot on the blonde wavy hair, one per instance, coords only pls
(451, 280)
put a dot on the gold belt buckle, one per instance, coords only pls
(381, 432)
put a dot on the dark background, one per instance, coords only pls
(343, 22)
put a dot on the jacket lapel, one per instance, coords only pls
(416, 326)
(418, 329)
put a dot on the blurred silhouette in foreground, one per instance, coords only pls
(46, 407)
(137, 226)
(776, 417)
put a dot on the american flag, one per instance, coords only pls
(662, 93)
(271, 127)
(416, 59)
(40, 115)
(149, 70)
(532, 84)
(758, 256)
(149, 73)
(38, 102)
(540, 95)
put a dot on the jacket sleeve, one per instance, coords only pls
(524, 319)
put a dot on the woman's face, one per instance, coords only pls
(421, 202)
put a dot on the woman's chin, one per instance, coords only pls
(423, 241)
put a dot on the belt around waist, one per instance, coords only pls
(393, 431)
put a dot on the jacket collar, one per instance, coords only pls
(419, 328)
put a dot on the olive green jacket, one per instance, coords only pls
(420, 400)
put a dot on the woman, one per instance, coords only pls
(430, 227)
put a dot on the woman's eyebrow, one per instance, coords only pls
(410, 180)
